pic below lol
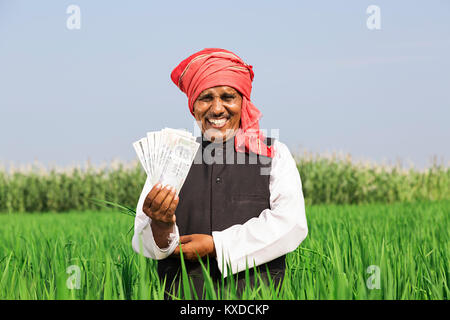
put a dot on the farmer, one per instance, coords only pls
(241, 203)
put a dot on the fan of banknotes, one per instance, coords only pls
(167, 156)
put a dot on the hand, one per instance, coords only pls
(160, 205)
(193, 244)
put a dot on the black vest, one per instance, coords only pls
(222, 188)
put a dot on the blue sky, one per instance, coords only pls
(322, 78)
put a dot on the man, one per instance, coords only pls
(242, 202)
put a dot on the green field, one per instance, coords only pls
(408, 243)
(324, 181)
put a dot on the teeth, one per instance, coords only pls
(218, 122)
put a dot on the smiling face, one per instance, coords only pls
(218, 112)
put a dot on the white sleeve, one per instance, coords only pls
(143, 231)
(276, 231)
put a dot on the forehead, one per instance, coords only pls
(219, 90)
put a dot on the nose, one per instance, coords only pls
(217, 107)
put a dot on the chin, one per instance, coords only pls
(216, 137)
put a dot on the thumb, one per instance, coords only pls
(185, 239)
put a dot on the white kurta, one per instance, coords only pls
(275, 232)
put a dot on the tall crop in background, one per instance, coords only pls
(325, 181)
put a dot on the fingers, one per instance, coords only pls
(183, 243)
(165, 205)
(172, 207)
(185, 239)
(189, 252)
(194, 246)
(159, 198)
(160, 204)
(151, 195)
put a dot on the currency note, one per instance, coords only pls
(179, 162)
(167, 155)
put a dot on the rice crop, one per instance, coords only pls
(365, 251)
(325, 179)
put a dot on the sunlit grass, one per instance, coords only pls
(408, 242)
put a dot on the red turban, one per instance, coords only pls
(218, 67)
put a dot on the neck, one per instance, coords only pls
(220, 143)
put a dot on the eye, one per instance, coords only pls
(205, 98)
(228, 97)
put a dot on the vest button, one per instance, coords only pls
(218, 180)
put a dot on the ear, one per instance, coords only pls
(195, 115)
